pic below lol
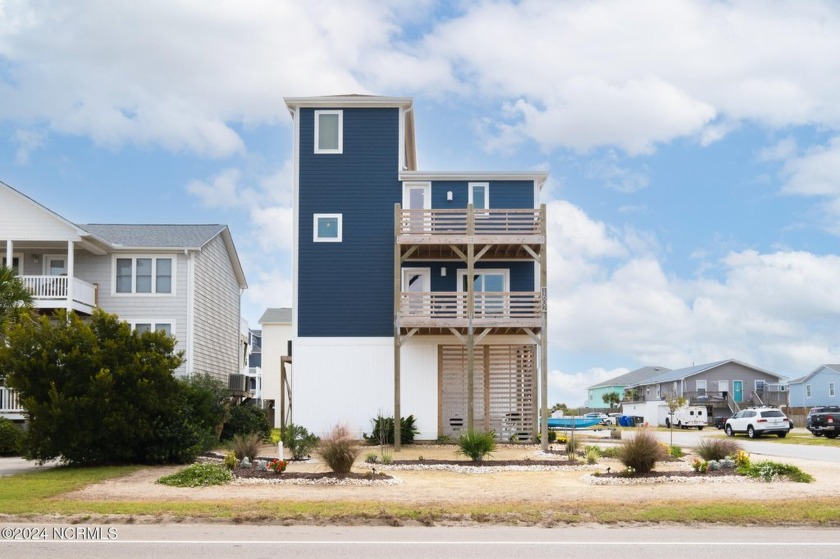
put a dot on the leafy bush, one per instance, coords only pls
(592, 455)
(10, 438)
(246, 446)
(198, 475)
(767, 471)
(675, 451)
(717, 449)
(339, 450)
(371, 458)
(383, 430)
(244, 420)
(609, 452)
(97, 392)
(641, 452)
(299, 441)
(230, 460)
(552, 437)
(476, 444)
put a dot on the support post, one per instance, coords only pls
(470, 315)
(544, 333)
(397, 345)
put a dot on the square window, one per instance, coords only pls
(327, 228)
(329, 131)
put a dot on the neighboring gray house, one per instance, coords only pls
(817, 388)
(184, 279)
(723, 387)
(618, 385)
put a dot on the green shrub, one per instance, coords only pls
(641, 452)
(717, 449)
(230, 460)
(339, 450)
(552, 437)
(299, 441)
(571, 446)
(476, 444)
(10, 438)
(244, 420)
(383, 430)
(198, 475)
(246, 446)
(675, 451)
(371, 458)
(387, 458)
(767, 471)
(592, 455)
(609, 452)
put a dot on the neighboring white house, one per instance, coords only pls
(184, 279)
(817, 388)
(276, 334)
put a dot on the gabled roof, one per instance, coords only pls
(681, 374)
(276, 316)
(632, 378)
(832, 368)
(149, 236)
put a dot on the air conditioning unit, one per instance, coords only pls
(237, 383)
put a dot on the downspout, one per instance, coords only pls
(190, 337)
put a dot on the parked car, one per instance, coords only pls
(720, 422)
(820, 421)
(758, 421)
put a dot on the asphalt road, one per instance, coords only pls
(490, 542)
(764, 446)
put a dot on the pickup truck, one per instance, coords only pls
(824, 420)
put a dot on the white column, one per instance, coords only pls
(70, 275)
(9, 250)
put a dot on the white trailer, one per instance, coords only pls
(688, 417)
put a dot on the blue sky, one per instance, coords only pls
(693, 146)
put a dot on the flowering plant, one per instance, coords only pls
(277, 466)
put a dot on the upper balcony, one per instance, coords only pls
(61, 292)
(451, 310)
(436, 228)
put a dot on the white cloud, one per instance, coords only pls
(816, 173)
(274, 227)
(615, 177)
(27, 141)
(223, 191)
(570, 388)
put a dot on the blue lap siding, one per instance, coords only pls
(346, 289)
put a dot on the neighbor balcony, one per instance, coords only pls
(61, 292)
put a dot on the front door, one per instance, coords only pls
(414, 282)
(738, 390)
(417, 196)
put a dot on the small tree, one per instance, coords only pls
(97, 392)
(674, 403)
(611, 399)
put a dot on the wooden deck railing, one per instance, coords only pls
(461, 222)
(445, 305)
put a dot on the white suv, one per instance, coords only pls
(758, 421)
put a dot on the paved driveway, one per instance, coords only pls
(15, 465)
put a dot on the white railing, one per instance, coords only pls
(444, 305)
(460, 222)
(55, 288)
(9, 401)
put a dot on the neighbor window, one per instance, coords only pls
(143, 326)
(700, 386)
(327, 228)
(807, 390)
(143, 275)
(329, 131)
(831, 389)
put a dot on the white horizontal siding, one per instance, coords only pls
(24, 220)
(275, 339)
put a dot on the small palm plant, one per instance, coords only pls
(477, 444)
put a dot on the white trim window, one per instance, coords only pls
(807, 390)
(144, 275)
(831, 391)
(327, 228)
(479, 195)
(489, 286)
(142, 325)
(700, 386)
(17, 260)
(329, 131)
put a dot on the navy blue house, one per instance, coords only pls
(414, 292)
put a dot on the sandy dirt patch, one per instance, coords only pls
(555, 488)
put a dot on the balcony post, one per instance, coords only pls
(397, 345)
(470, 330)
(543, 334)
(70, 274)
(9, 252)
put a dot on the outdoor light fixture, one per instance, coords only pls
(449, 196)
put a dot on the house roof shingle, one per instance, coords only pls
(633, 377)
(154, 236)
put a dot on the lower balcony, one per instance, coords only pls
(61, 292)
(442, 309)
(10, 404)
